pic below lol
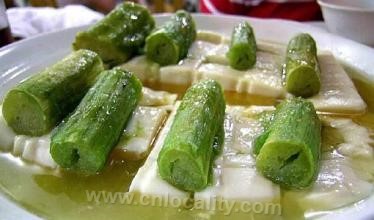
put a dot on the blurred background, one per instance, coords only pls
(348, 18)
(303, 10)
(30, 17)
(104, 6)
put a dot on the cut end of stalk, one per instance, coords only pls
(72, 156)
(286, 164)
(241, 57)
(182, 171)
(162, 49)
(64, 154)
(24, 114)
(303, 81)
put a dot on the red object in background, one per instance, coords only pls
(300, 11)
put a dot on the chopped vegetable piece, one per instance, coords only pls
(170, 43)
(84, 141)
(185, 160)
(302, 69)
(290, 152)
(242, 52)
(119, 35)
(37, 104)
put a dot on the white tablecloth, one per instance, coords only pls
(27, 21)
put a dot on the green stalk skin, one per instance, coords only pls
(218, 142)
(118, 36)
(84, 141)
(242, 51)
(302, 72)
(170, 43)
(185, 159)
(266, 119)
(290, 150)
(39, 103)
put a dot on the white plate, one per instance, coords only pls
(21, 59)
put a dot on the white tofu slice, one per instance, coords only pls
(271, 47)
(241, 129)
(19, 144)
(262, 84)
(6, 134)
(181, 74)
(162, 134)
(264, 79)
(246, 184)
(262, 45)
(244, 133)
(235, 175)
(235, 110)
(147, 180)
(218, 55)
(235, 160)
(357, 138)
(141, 130)
(146, 70)
(209, 36)
(338, 93)
(199, 49)
(34, 149)
(135, 145)
(225, 75)
(337, 185)
(211, 192)
(255, 110)
(157, 98)
(240, 184)
(240, 133)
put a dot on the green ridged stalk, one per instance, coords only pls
(242, 51)
(289, 149)
(302, 72)
(118, 36)
(39, 103)
(170, 43)
(84, 141)
(195, 138)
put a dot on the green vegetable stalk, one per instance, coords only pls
(170, 43)
(37, 104)
(119, 35)
(195, 136)
(302, 73)
(84, 141)
(242, 51)
(289, 149)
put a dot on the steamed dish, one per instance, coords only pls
(173, 112)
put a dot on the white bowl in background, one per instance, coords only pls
(350, 18)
